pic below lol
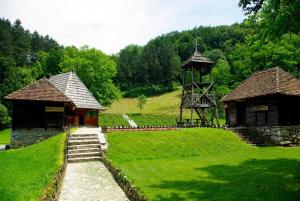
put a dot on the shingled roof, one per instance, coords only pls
(41, 90)
(196, 60)
(71, 86)
(267, 82)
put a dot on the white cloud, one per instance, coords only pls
(110, 25)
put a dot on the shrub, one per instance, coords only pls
(4, 117)
(142, 99)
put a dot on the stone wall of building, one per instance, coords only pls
(271, 135)
(25, 137)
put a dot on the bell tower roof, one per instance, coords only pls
(197, 61)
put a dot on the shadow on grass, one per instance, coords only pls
(268, 180)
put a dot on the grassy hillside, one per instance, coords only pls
(166, 104)
(205, 164)
(26, 172)
(159, 110)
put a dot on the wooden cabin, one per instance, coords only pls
(48, 106)
(267, 98)
(39, 105)
(85, 107)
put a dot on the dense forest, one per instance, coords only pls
(268, 37)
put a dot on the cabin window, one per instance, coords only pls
(261, 118)
(91, 114)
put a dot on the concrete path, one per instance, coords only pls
(130, 121)
(93, 130)
(87, 130)
(2, 147)
(90, 181)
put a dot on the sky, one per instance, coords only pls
(110, 25)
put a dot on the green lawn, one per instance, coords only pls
(205, 164)
(24, 173)
(5, 136)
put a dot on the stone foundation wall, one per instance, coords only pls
(25, 137)
(271, 135)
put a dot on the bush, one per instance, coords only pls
(4, 117)
(154, 90)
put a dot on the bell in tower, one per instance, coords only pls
(197, 93)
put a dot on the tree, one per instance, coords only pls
(24, 57)
(275, 17)
(221, 73)
(16, 78)
(95, 69)
(4, 117)
(257, 54)
(251, 6)
(142, 100)
(6, 44)
(128, 66)
(53, 61)
(6, 63)
(21, 43)
(160, 62)
(215, 54)
(155, 67)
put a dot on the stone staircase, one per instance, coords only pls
(83, 147)
(251, 138)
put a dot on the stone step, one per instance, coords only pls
(252, 140)
(72, 151)
(83, 138)
(81, 142)
(83, 155)
(90, 132)
(83, 135)
(86, 159)
(84, 146)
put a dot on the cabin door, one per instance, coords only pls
(81, 120)
(241, 114)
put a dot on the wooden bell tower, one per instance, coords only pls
(197, 96)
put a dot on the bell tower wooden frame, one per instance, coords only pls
(197, 93)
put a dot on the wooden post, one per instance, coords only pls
(13, 119)
(192, 96)
(46, 120)
(182, 96)
(63, 118)
(217, 116)
(97, 113)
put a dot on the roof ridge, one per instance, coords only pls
(58, 90)
(85, 86)
(67, 87)
(265, 70)
(61, 74)
(277, 79)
